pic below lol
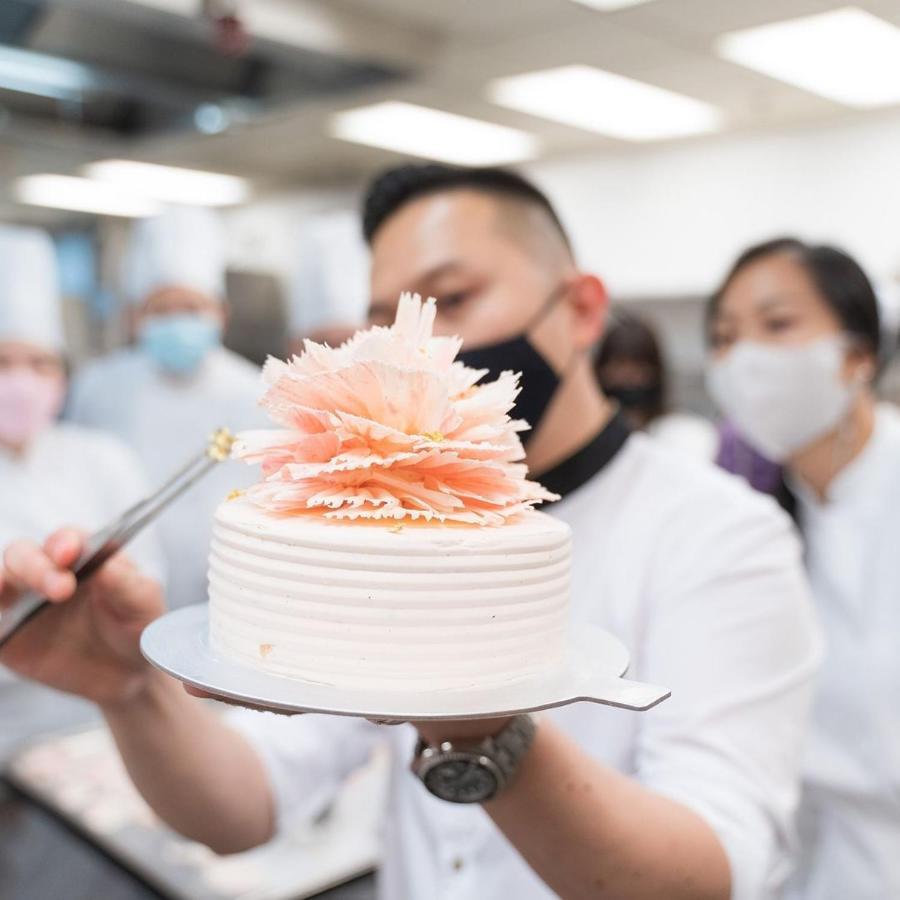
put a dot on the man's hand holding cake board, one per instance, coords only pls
(89, 642)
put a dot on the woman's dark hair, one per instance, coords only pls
(837, 276)
(631, 338)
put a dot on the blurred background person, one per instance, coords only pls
(328, 291)
(631, 369)
(795, 338)
(888, 294)
(165, 395)
(49, 472)
(736, 455)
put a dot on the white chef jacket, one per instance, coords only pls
(77, 476)
(703, 582)
(167, 420)
(850, 809)
(686, 433)
(68, 476)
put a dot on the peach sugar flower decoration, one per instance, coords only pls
(389, 426)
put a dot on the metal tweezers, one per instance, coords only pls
(103, 544)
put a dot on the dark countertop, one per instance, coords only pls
(41, 858)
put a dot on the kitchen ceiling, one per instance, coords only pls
(150, 73)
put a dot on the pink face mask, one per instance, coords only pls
(28, 403)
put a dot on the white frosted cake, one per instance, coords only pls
(361, 605)
(392, 542)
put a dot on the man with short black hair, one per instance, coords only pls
(699, 577)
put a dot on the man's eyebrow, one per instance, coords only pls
(382, 304)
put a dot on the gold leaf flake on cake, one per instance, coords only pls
(221, 442)
(265, 650)
(233, 495)
(396, 529)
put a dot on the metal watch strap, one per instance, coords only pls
(506, 749)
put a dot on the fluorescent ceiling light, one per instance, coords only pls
(27, 72)
(846, 55)
(81, 195)
(608, 104)
(169, 184)
(433, 134)
(610, 5)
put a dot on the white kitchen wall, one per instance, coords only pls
(262, 235)
(668, 220)
(665, 221)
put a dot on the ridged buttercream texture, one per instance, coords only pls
(415, 607)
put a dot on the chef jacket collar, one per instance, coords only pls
(861, 482)
(584, 464)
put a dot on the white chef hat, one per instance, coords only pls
(181, 247)
(29, 288)
(330, 282)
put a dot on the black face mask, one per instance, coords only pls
(539, 381)
(637, 398)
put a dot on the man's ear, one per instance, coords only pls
(589, 303)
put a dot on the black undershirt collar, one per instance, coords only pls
(585, 463)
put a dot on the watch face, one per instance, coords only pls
(461, 781)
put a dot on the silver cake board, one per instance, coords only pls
(592, 670)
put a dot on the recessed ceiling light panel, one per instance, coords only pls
(846, 55)
(433, 134)
(170, 184)
(605, 103)
(81, 195)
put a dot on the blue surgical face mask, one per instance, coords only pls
(179, 342)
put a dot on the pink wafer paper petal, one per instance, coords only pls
(390, 426)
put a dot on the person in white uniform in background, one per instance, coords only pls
(795, 337)
(631, 370)
(888, 295)
(49, 472)
(700, 577)
(169, 392)
(328, 295)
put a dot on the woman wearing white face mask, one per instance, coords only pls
(794, 333)
(50, 474)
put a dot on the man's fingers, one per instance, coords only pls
(196, 692)
(124, 590)
(8, 592)
(29, 568)
(205, 695)
(64, 547)
(59, 586)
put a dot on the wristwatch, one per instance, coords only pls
(474, 773)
